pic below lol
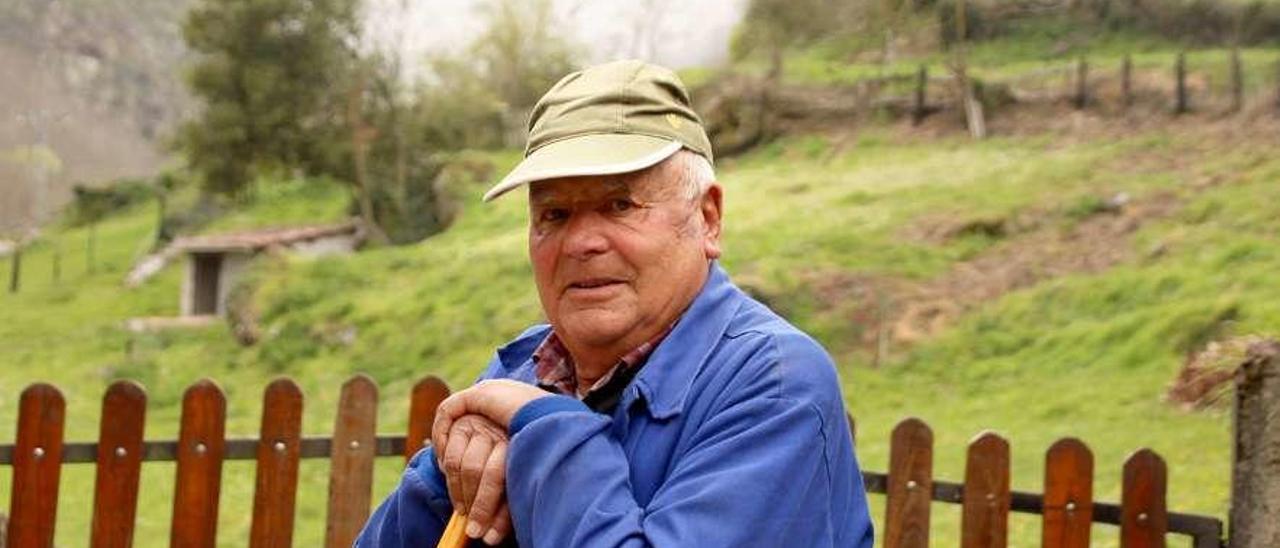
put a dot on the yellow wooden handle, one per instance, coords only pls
(455, 534)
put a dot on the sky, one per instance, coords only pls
(676, 33)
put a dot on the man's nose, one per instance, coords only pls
(585, 235)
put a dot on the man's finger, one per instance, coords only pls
(501, 527)
(452, 465)
(488, 495)
(440, 429)
(474, 458)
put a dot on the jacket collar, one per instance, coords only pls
(665, 379)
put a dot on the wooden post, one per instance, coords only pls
(1255, 466)
(1126, 82)
(1237, 81)
(57, 264)
(15, 268)
(1278, 85)
(1082, 84)
(918, 111)
(974, 118)
(1180, 92)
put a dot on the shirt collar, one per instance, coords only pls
(554, 367)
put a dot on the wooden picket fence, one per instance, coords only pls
(1067, 505)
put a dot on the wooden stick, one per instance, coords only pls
(455, 533)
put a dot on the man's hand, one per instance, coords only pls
(496, 400)
(470, 436)
(474, 462)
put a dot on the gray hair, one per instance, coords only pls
(696, 173)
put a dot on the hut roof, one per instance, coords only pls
(256, 240)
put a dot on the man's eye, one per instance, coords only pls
(553, 215)
(621, 205)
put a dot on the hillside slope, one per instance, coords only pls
(1039, 285)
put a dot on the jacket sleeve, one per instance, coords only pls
(415, 513)
(758, 474)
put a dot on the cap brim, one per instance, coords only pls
(597, 154)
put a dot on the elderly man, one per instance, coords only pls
(661, 406)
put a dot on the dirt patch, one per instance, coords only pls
(1050, 251)
(884, 310)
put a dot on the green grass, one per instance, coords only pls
(1081, 355)
(1040, 51)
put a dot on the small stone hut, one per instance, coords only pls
(214, 262)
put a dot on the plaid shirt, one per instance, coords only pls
(555, 371)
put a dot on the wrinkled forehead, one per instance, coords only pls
(652, 183)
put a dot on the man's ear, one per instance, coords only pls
(712, 209)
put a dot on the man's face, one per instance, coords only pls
(617, 258)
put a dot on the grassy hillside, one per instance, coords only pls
(1077, 320)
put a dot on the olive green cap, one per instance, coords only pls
(613, 118)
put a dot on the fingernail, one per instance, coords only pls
(474, 530)
(492, 537)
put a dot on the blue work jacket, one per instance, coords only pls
(733, 434)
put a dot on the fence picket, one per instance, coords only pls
(351, 456)
(115, 496)
(1143, 519)
(37, 463)
(275, 489)
(427, 395)
(198, 481)
(985, 513)
(910, 487)
(1068, 495)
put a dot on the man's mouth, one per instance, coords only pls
(592, 283)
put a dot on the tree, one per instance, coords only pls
(479, 96)
(274, 76)
(521, 52)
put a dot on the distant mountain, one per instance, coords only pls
(90, 87)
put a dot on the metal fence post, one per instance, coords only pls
(1255, 465)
